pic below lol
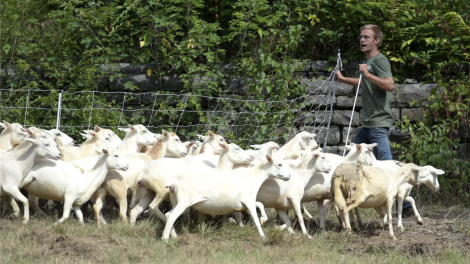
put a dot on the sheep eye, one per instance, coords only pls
(107, 138)
(280, 164)
(116, 156)
(47, 145)
(58, 134)
(144, 131)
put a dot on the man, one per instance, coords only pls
(377, 86)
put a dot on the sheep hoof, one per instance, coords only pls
(309, 237)
(263, 219)
(393, 237)
(420, 222)
(25, 221)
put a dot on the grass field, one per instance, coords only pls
(444, 238)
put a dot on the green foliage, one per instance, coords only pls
(61, 45)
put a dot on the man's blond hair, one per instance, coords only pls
(376, 29)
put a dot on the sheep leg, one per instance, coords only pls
(78, 213)
(156, 202)
(263, 217)
(356, 219)
(118, 189)
(68, 201)
(340, 216)
(346, 220)
(145, 197)
(297, 205)
(99, 196)
(399, 211)
(34, 203)
(413, 204)
(170, 220)
(16, 194)
(382, 213)
(389, 214)
(254, 216)
(306, 212)
(134, 200)
(14, 206)
(323, 208)
(238, 217)
(285, 218)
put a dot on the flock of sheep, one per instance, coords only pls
(212, 176)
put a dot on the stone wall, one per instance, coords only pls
(312, 76)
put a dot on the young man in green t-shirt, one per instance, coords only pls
(377, 86)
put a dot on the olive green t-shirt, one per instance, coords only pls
(376, 109)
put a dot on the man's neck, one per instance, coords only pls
(372, 53)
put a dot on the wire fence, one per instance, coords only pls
(243, 121)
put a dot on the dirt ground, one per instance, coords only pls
(443, 228)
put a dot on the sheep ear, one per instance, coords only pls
(32, 140)
(105, 152)
(269, 158)
(132, 127)
(359, 147)
(164, 133)
(92, 134)
(316, 156)
(210, 133)
(371, 146)
(315, 147)
(99, 150)
(439, 172)
(255, 146)
(302, 145)
(275, 148)
(191, 144)
(224, 146)
(97, 128)
(418, 169)
(30, 132)
(6, 124)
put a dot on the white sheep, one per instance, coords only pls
(99, 138)
(14, 169)
(294, 148)
(71, 183)
(221, 192)
(136, 137)
(356, 185)
(12, 135)
(284, 195)
(210, 145)
(61, 138)
(156, 173)
(319, 187)
(119, 183)
(427, 177)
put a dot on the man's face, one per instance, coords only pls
(367, 40)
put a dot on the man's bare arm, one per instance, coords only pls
(348, 80)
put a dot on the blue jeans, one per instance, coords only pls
(378, 135)
(382, 151)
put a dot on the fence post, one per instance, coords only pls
(59, 108)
